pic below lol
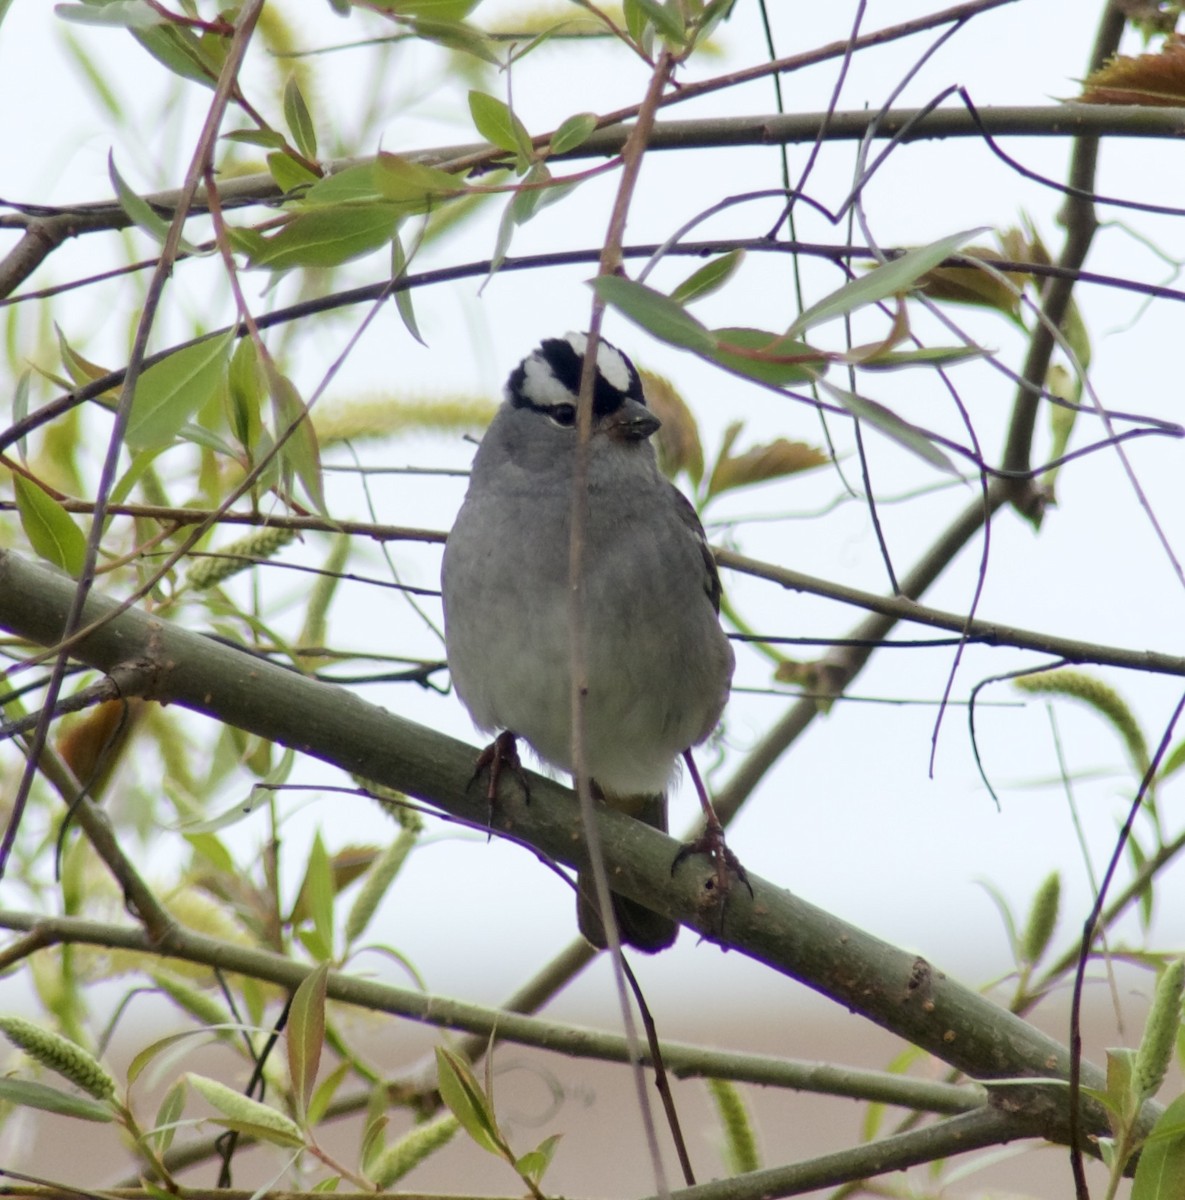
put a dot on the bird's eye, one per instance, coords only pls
(563, 414)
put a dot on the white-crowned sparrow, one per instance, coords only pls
(659, 665)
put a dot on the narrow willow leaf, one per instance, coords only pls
(771, 460)
(130, 14)
(167, 1115)
(324, 1092)
(299, 119)
(171, 391)
(269, 139)
(325, 237)
(300, 450)
(533, 1165)
(292, 178)
(316, 895)
(49, 527)
(244, 393)
(183, 52)
(495, 121)
(27, 1094)
(461, 1092)
(930, 356)
(889, 279)
(436, 10)
(406, 182)
(709, 278)
(573, 132)
(403, 298)
(1162, 1160)
(139, 211)
(306, 1035)
(458, 36)
(767, 357)
(657, 314)
(81, 370)
(20, 407)
(892, 426)
(665, 20)
(350, 185)
(677, 440)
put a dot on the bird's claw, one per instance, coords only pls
(728, 867)
(499, 756)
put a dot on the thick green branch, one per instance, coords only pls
(899, 991)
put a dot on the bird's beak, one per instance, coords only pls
(632, 422)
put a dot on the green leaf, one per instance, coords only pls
(767, 357)
(435, 10)
(709, 278)
(28, 1094)
(402, 296)
(128, 14)
(890, 279)
(49, 527)
(171, 391)
(573, 132)
(462, 1094)
(167, 1116)
(659, 315)
(349, 185)
(1162, 1160)
(892, 426)
(317, 892)
(458, 36)
(324, 237)
(269, 139)
(139, 211)
(323, 1095)
(300, 450)
(1173, 761)
(81, 370)
(535, 1162)
(665, 20)
(185, 53)
(244, 393)
(20, 405)
(498, 125)
(298, 119)
(292, 178)
(411, 183)
(306, 1034)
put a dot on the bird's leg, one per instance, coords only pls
(711, 842)
(500, 755)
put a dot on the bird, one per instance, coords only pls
(659, 665)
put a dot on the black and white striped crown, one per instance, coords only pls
(549, 377)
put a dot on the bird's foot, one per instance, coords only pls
(499, 756)
(711, 842)
(728, 867)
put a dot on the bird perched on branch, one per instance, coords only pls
(658, 664)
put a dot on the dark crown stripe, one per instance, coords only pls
(565, 365)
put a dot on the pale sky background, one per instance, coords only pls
(850, 819)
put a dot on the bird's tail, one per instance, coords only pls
(638, 926)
